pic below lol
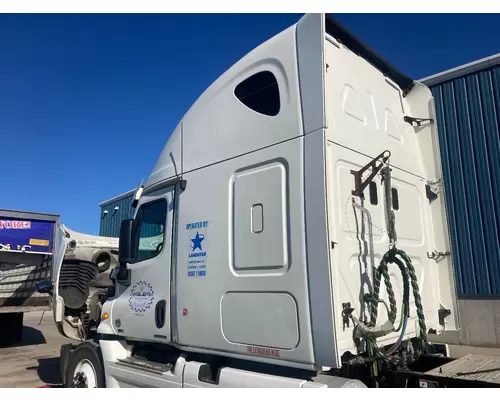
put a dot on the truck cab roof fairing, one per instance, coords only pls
(201, 139)
(208, 136)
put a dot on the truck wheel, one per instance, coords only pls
(85, 369)
(11, 331)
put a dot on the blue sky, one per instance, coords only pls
(88, 101)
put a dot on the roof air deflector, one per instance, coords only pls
(341, 34)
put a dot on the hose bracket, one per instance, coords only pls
(359, 184)
(436, 255)
(346, 314)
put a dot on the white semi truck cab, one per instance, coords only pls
(292, 233)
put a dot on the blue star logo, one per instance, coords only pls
(197, 241)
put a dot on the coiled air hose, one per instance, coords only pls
(401, 259)
(409, 276)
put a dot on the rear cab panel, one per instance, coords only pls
(365, 113)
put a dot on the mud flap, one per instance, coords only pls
(11, 328)
(65, 354)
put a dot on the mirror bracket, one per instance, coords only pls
(123, 275)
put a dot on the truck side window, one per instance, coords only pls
(260, 93)
(150, 231)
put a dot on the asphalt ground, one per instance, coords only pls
(35, 361)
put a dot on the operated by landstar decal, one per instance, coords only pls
(197, 256)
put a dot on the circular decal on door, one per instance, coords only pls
(141, 297)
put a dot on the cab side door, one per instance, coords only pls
(142, 310)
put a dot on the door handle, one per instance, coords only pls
(160, 310)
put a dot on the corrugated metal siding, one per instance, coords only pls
(110, 222)
(468, 110)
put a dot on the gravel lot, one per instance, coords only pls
(35, 361)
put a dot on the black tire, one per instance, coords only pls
(89, 353)
(11, 328)
(103, 261)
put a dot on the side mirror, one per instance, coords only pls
(125, 245)
(44, 287)
(125, 250)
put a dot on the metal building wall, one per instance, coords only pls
(111, 221)
(468, 119)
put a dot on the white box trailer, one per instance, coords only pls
(293, 233)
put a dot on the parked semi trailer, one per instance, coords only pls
(292, 233)
(27, 249)
(30, 243)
